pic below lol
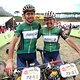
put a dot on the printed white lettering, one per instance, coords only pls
(30, 34)
(50, 38)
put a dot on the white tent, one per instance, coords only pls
(3, 20)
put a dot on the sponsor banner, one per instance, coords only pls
(9, 35)
(2, 40)
(50, 38)
(6, 37)
(75, 33)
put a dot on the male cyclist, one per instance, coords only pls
(28, 34)
(51, 35)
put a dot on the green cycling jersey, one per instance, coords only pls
(29, 34)
(51, 38)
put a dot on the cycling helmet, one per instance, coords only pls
(28, 7)
(48, 15)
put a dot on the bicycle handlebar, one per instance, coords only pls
(56, 61)
(41, 66)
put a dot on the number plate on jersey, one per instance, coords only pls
(32, 73)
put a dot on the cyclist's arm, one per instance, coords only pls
(70, 42)
(73, 45)
(17, 34)
(9, 65)
(62, 34)
(12, 46)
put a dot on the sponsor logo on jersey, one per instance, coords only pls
(30, 34)
(50, 38)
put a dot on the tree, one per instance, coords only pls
(16, 12)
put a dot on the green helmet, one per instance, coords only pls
(28, 7)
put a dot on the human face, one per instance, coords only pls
(29, 16)
(49, 22)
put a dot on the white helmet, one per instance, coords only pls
(28, 7)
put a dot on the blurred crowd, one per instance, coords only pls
(4, 29)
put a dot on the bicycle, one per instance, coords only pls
(71, 73)
(24, 73)
(45, 71)
(40, 68)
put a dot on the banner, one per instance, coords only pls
(6, 37)
(75, 33)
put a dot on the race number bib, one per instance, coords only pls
(30, 34)
(68, 70)
(32, 73)
(50, 38)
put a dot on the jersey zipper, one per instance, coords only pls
(50, 42)
(30, 43)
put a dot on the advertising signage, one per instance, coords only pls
(67, 15)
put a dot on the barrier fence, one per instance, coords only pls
(6, 37)
(75, 33)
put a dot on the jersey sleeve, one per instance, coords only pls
(18, 31)
(63, 34)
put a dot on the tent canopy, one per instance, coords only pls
(3, 20)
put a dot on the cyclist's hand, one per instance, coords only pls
(9, 67)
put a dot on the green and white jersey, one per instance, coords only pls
(51, 37)
(29, 34)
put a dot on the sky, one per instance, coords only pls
(41, 5)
